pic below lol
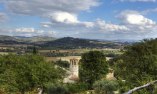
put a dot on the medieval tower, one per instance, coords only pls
(74, 67)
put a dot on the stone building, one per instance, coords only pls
(74, 67)
(73, 73)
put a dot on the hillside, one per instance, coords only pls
(10, 40)
(75, 43)
(7, 38)
(61, 43)
(35, 39)
(20, 39)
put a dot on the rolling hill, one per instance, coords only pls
(75, 43)
(20, 39)
(61, 43)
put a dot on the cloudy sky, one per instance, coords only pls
(94, 19)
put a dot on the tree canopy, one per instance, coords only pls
(26, 72)
(138, 65)
(105, 86)
(93, 67)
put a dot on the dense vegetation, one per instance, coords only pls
(26, 73)
(105, 87)
(63, 64)
(93, 67)
(137, 66)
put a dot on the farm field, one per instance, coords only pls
(4, 53)
(49, 59)
(80, 51)
(62, 58)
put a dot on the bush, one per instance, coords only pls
(64, 64)
(57, 89)
(77, 87)
(105, 87)
(22, 73)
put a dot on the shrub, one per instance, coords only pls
(105, 87)
(77, 87)
(57, 89)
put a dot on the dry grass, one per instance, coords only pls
(62, 58)
(4, 53)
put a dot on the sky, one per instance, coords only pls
(92, 19)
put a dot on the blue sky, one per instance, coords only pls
(95, 19)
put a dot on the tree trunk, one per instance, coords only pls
(141, 87)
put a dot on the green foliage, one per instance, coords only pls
(105, 87)
(35, 51)
(66, 88)
(138, 65)
(77, 87)
(93, 67)
(57, 89)
(26, 72)
(64, 64)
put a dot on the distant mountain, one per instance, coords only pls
(24, 40)
(7, 38)
(61, 43)
(74, 43)
(35, 39)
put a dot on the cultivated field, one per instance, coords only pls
(62, 58)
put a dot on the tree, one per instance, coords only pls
(63, 64)
(77, 87)
(57, 89)
(27, 72)
(105, 87)
(93, 67)
(138, 64)
(35, 51)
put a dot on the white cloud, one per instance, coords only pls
(44, 7)
(80, 29)
(135, 18)
(133, 25)
(99, 25)
(64, 17)
(139, 26)
(139, 0)
(27, 32)
(103, 26)
(138, 20)
(31, 32)
(3, 17)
